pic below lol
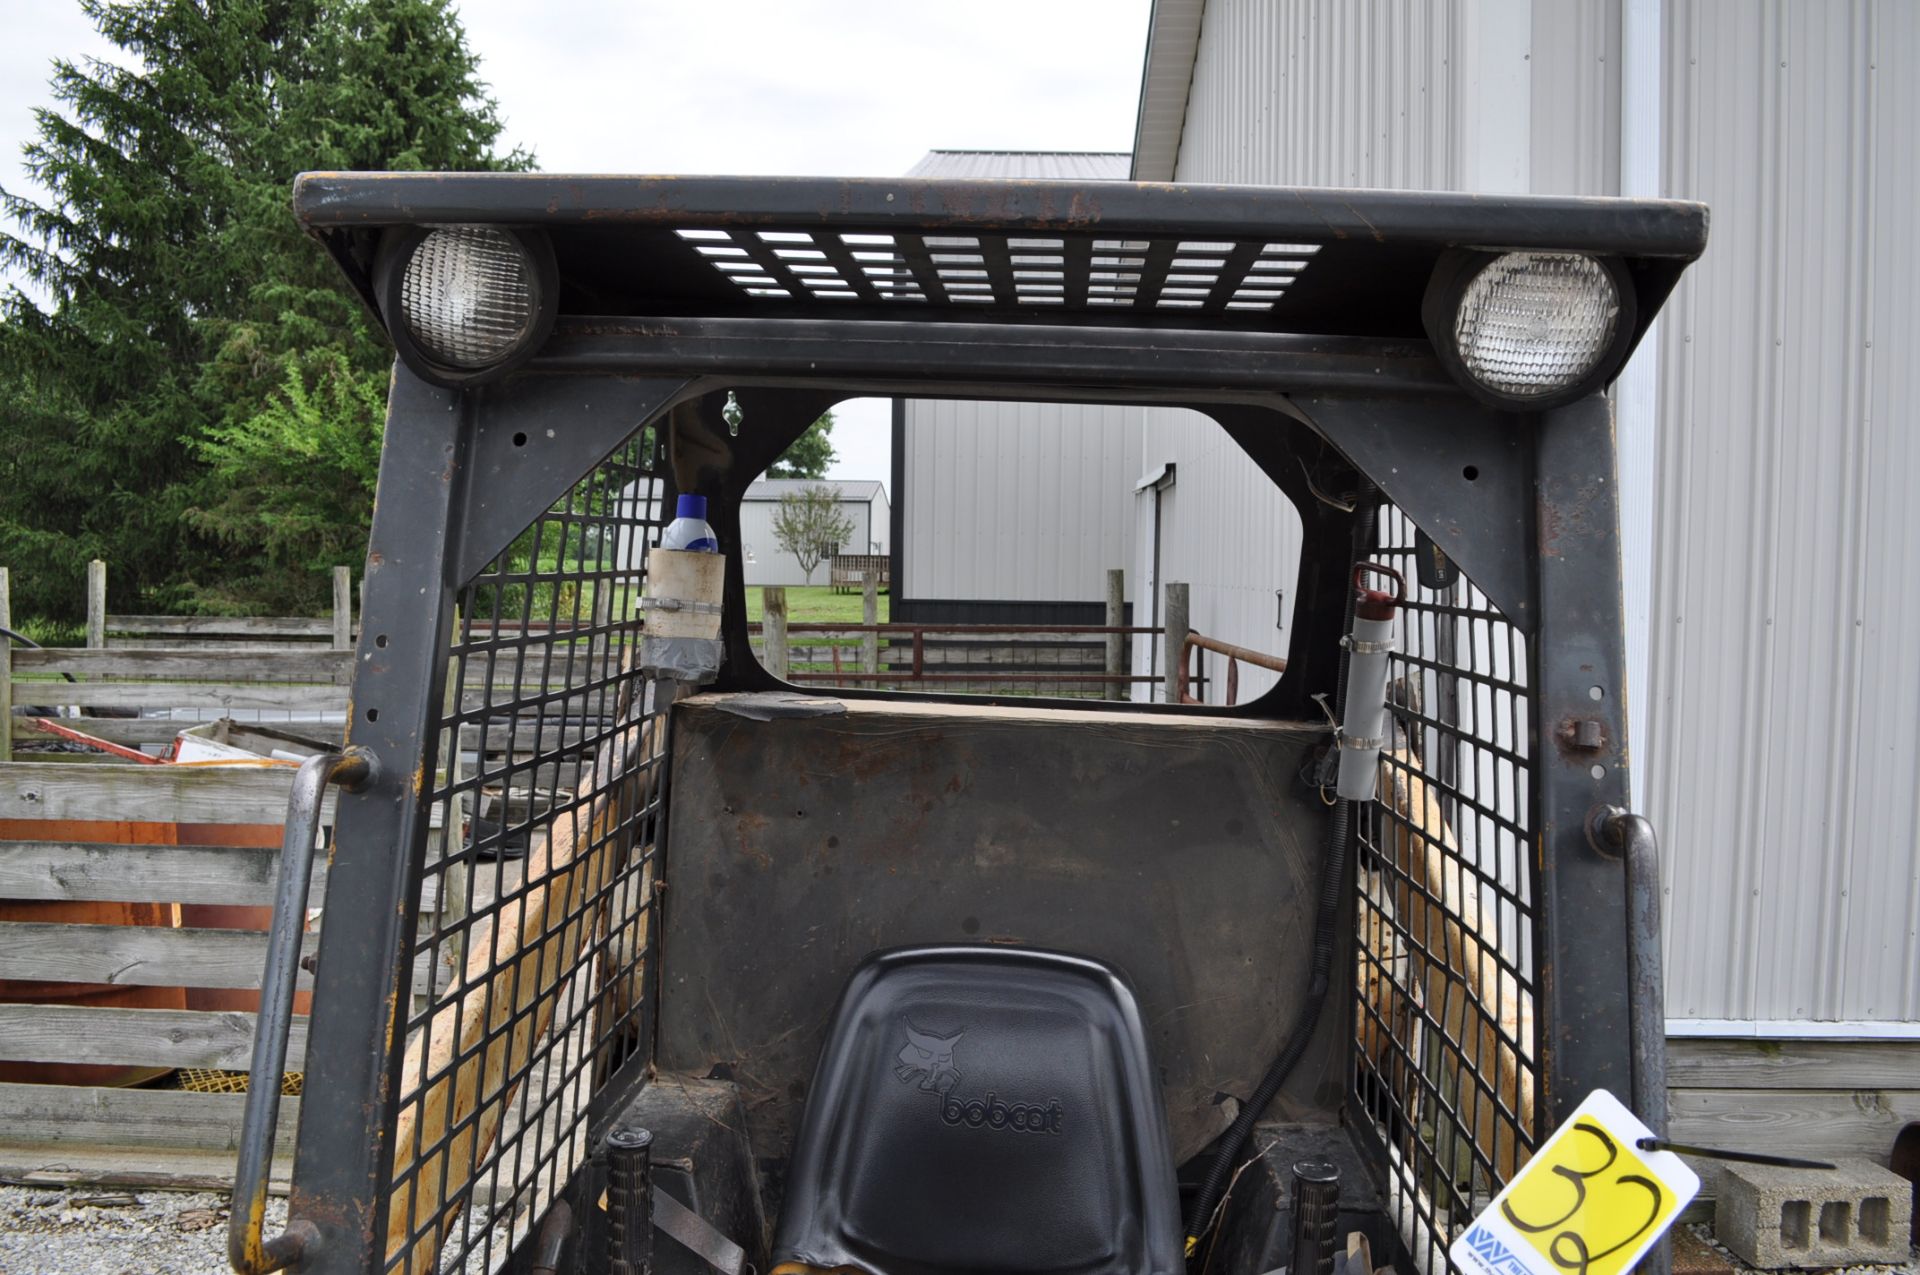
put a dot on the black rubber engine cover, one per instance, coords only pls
(983, 1109)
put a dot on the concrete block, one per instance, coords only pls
(1853, 1215)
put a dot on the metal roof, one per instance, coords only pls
(1098, 166)
(856, 491)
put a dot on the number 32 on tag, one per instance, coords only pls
(1590, 1202)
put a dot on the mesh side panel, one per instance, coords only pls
(1446, 1063)
(545, 804)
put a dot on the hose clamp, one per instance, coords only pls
(1367, 646)
(1361, 743)
(680, 604)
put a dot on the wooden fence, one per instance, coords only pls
(847, 571)
(1075, 661)
(133, 898)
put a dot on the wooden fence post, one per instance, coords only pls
(96, 604)
(870, 614)
(1176, 638)
(1116, 642)
(6, 668)
(773, 629)
(342, 608)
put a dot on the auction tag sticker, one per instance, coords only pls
(1590, 1202)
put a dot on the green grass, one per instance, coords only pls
(815, 604)
(51, 632)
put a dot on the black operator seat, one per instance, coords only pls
(982, 1109)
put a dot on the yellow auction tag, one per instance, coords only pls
(1590, 1202)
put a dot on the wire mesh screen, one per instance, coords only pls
(545, 803)
(1446, 1063)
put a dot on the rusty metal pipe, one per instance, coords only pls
(1630, 837)
(247, 1249)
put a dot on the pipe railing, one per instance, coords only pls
(1198, 644)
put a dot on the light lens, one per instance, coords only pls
(468, 295)
(1533, 323)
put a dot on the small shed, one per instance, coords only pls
(863, 501)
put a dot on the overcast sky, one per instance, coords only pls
(833, 87)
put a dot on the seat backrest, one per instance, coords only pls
(983, 1109)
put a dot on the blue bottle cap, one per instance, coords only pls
(691, 507)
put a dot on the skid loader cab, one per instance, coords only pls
(906, 983)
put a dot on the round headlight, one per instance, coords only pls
(1535, 323)
(466, 305)
(469, 296)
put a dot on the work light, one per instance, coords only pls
(1529, 329)
(466, 304)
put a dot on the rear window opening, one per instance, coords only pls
(1030, 549)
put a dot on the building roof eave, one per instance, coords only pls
(1173, 42)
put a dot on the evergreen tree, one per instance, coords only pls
(188, 328)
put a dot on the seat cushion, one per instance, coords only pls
(983, 1109)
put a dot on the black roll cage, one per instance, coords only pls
(1333, 386)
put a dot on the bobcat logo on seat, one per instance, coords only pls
(930, 1058)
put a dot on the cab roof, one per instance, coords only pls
(1123, 254)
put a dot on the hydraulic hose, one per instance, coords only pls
(1320, 977)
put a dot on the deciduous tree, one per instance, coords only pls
(810, 525)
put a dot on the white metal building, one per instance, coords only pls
(1012, 512)
(1769, 448)
(863, 502)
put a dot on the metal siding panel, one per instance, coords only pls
(1784, 700)
(1017, 501)
(1783, 756)
(1576, 101)
(1886, 877)
(1226, 532)
(1318, 93)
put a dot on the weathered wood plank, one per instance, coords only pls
(190, 663)
(48, 870)
(160, 730)
(290, 645)
(1815, 1122)
(137, 1037)
(277, 697)
(66, 870)
(148, 794)
(1694, 1063)
(269, 697)
(147, 956)
(62, 1115)
(156, 1168)
(222, 625)
(136, 955)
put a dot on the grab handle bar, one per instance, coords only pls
(247, 1249)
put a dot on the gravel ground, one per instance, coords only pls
(108, 1231)
(104, 1231)
(1705, 1233)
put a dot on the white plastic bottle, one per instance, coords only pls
(689, 530)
